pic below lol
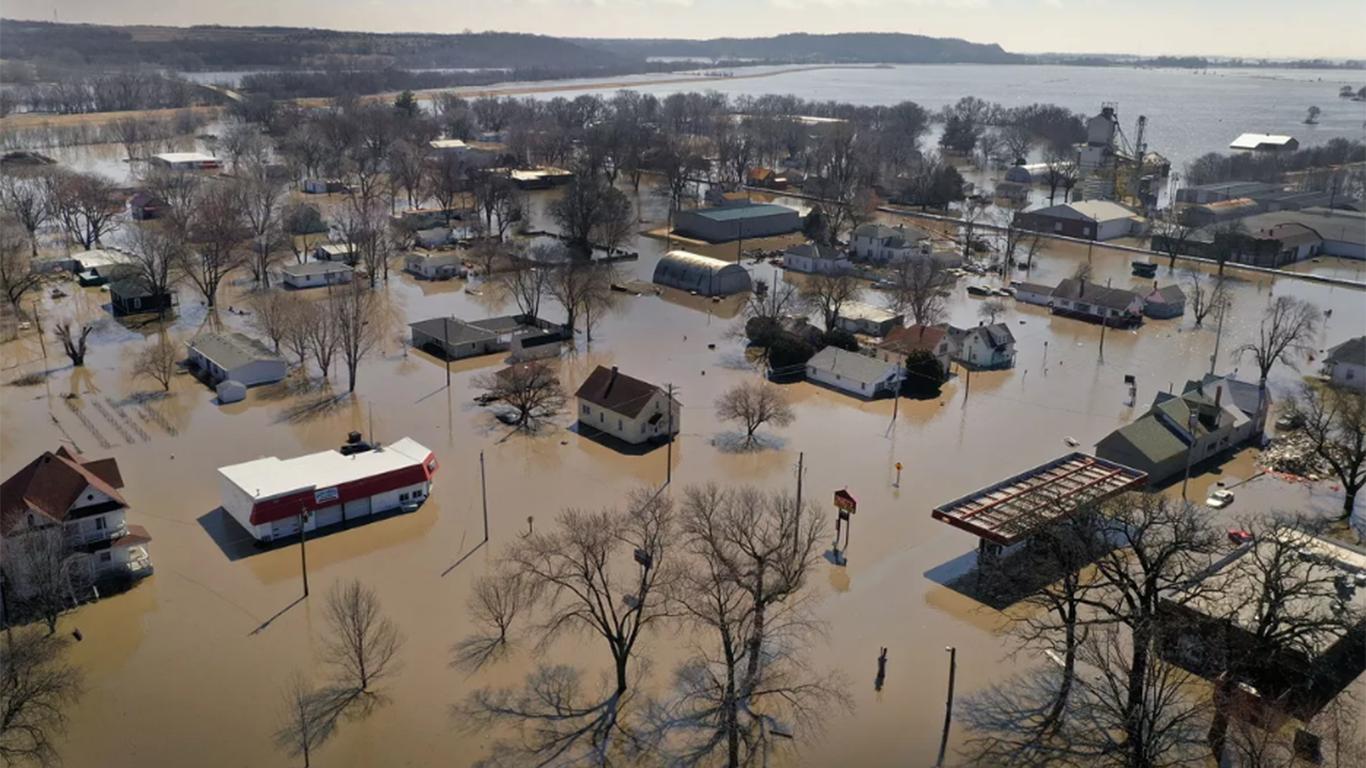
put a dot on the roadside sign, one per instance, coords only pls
(845, 500)
(844, 514)
(898, 466)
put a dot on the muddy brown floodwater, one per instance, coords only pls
(187, 668)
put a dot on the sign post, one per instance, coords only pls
(897, 484)
(847, 506)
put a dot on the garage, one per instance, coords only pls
(357, 508)
(327, 516)
(284, 527)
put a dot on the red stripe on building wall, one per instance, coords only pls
(292, 504)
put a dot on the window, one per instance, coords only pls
(620, 425)
(585, 408)
(403, 497)
(602, 417)
(100, 524)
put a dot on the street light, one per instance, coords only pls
(948, 705)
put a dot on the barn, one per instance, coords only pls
(700, 274)
(270, 497)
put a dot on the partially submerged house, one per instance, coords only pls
(133, 294)
(860, 317)
(316, 274)
(901, 342)
(185, 161)
(816, 258)
(627, 408)
(62, 493)
(1345, 364)
(1098, 303)
(220, 357)
(1165, 302)
(335, 252)
(271, 498)
(858, 374)
(435, 265)
(983, 346)
(453, 339)
(144, 206)
(1210, 418)
(1085, 219)
(883, 244)
(700, 274)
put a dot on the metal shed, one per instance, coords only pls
(694, 272)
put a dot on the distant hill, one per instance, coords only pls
(852, 47)
(214, 47)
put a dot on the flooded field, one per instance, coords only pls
(188, 667)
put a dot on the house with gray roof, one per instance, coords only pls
(883, 244)
(983, 346)
(1345, 364)
(735, 221)
(1165, 302)
(854, 372)
(315, 274)
(454, 339)
(1089, 301)
(231, 356)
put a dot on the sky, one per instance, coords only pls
(1249, 28)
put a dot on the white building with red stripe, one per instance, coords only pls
(270, 497)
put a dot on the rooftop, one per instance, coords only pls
(315, 268)
(1255, 140)
(858, 310)
(269, 477)
(1351, 352)
(1100, 295)
(51, 483)
(1014, 508)
(609, 388)
(850, 365)
(185, 157)
(231, 350)
(734, 212)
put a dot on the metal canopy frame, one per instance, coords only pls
(1015, 508)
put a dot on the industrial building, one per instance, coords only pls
(1264, 142)
(700, 274)
(271, 497)
(1086, 219)
(737, 220)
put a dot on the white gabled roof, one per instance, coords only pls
(268, 477)
(185, 157)
(851, 365)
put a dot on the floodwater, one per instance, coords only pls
(187, 668)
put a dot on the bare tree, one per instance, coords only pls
(1206, 296)
(1334, 421)
(272, 313)
(1174, 235)
(157, 360)
(301, 316)
(85, 204)
(528, 282)
(362, 645)
(354, 317)
(592, 212)
(38, 687)
(574, 577)
(745, 587)
(408, 170)
(494, 605)
(532, 390)
(262, 213)
(157, 255)
(916, 289)
(991, 309)
(1288, 329)
(26, 199)
(17, 273)
(320, 335)
(827, 294)
(73, 339)
(970, 215)
(301, 730)
(215, 231)
(754, 404)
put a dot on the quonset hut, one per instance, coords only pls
(700, 274)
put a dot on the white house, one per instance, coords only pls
(858, 317)
(815, 258)
(1033, 293)
(1345, 364)
(881, 243)
(270, 497)
(627, 408)
(186, 161)
(63, 494)
(853, 372)
(438, 265)
(234, 356)
(313, 274)
(983, 346)
(1113, 306)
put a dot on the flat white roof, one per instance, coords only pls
(269, 477)
(185, 157)
(447, 144)
(101, 258)
(1254, 140)
(858, 310)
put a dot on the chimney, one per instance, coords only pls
(1154, 285)
(610, 381)
(1218, 394)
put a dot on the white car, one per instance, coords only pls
(1219, 499)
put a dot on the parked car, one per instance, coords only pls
(1219, 499)
(1239, 536)
(1289, 421)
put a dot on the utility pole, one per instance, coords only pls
(446, 348)
(1218, 334)
(1191, 422)
(1103, 324)
(948, 706)
(303, 553)
(967, 387)
(484, 496)
(669, 445)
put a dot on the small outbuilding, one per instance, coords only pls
(704, 275)
(859, 317)
(315, 274)
(220, 356)
(134, 295)
(335, 252)
(1164, 303)
(438, 265)
(853, 372)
